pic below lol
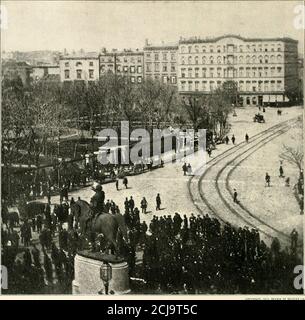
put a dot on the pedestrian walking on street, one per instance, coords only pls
(233, 139)
(281, 172)
(125, 182)
(209, 151)
(126, 205)
(227, 140)
(158, 202)
(267, 179)
(287, 182)
(117, 184)
(247, 137)
(235, 194)
(144, 205)
(184, 168)
(131, 204)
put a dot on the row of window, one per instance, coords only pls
(231, 59)
(79, 73)
(78, 64)
(91, 76)
(165, 79)
(241, 72)
(161, 56)
(157, 67)
(131, 69)
(231, 48)
(242, 86)
(120, 59)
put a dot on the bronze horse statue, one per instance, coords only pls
(104, 224)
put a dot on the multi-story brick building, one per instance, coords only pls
(126, 62)
(265, 70)
(160, 62)
(79, 68)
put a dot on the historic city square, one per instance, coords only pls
(175, 167)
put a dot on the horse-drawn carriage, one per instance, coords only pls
(259, 118)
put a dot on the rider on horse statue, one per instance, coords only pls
(97, 201)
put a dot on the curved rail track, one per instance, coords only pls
(222, 205)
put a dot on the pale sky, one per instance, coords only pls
(55, 25)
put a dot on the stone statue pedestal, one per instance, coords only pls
(87, 280)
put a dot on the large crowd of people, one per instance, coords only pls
(181, 254)
(198, 255)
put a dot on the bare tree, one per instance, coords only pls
(294, 155)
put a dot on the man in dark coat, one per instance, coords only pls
(158, 202)
(233, 139)
(281, 172)
(235, 196)
(125, 182)
(131, 204)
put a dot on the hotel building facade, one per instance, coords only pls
(264, 69)
(161, 63)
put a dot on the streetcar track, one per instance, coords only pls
(270, 132)
(256, 147)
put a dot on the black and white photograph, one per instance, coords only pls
(152, 148)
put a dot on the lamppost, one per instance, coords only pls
(106, 276)
(58, 172)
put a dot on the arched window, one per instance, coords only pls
(218, 49)
(196, 49)
(241, 59)
(189, 60)
(204, 60)
(272, 59)
(211, 49)
(279, 58)
(253, 47)
(196, 60)
(219, 59)
(182, 60)
(78, 64)
(247, 59)
(204, 49)
(183, 49)
(266, 59)
(253, 59)
(211, 60)
(279, 47)
(260, 59)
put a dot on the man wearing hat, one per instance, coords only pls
(97, 201)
